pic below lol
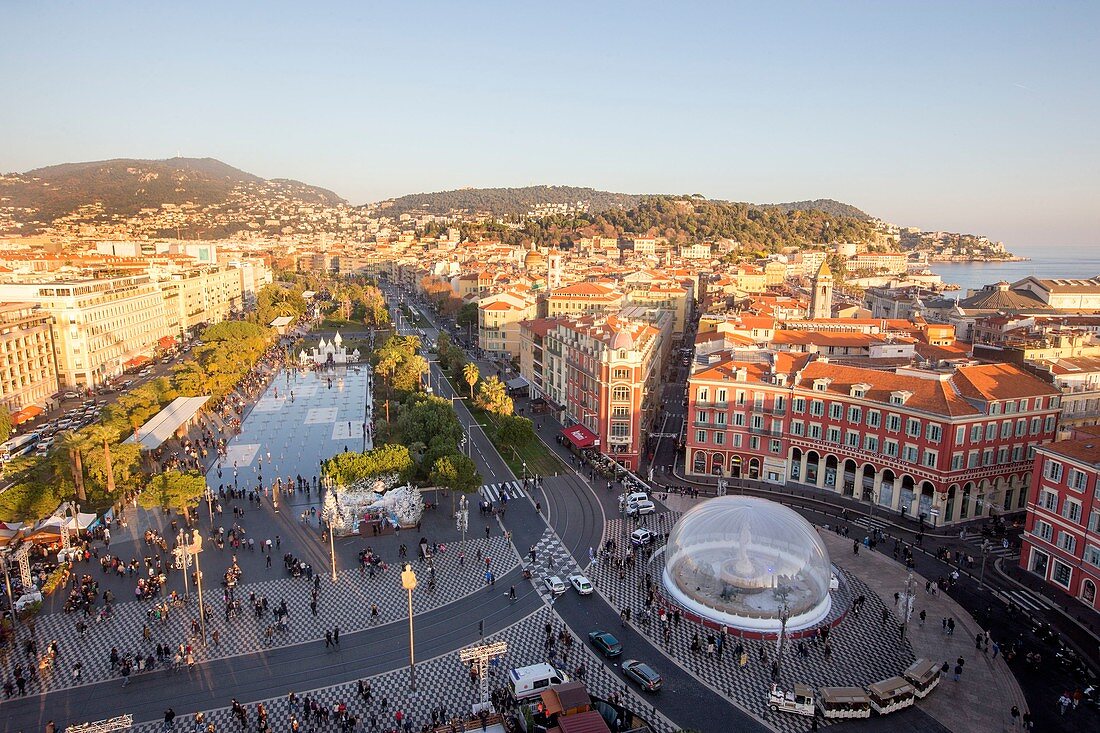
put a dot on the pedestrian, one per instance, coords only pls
(336, 636)
(923, 615)
(958, 672)
(1015, 713)
(328, 639)
(169, 719)
(950, 627)
(1063, 703)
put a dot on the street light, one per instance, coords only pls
(408, 582)
(985, 553)
(906, 600)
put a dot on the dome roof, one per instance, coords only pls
(533, 259)
(740, 558)
(622, 339)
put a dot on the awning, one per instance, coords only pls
(517, 383)
(166, 342)
(580, 436)
(27, 413)
(165, 423)
(136, 361)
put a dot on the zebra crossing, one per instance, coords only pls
(870, 522)
(996, 548)
(496, 492)
(1026, 600)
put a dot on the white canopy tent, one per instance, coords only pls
(165, 423)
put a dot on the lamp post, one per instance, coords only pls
(784, 616)
(906, 600)
(985, 553)
(195, 549)
(463, 517)
(408, 582)
(330, 513)
(7, 586)
(209, 495)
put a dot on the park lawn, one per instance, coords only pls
(540, 460)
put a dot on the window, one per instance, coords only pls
(991, 431)
(700, 436)
(622, 394)
(1094, 521)
(1048, 500)
(975, 433)
(910, 453)
(719, 418)
(621, 374)
(874, 418)
(1061, 573)
(719, 438)
(721, 398)
(930, 458)
(622, 430)
(890, 448)
(1092, 555)
(757, 422)
(817, 408)
(1051, 419)
(972, 459)
(912, 428)
(703, 395)
(855, 415)
(1017, 453)
(1078, 480)
(754, 443)
(960, 434)
(995, 408)
(701, 417)
(775, 446)
(741, 397)
(798, 404)
(833, 435)
(815, 431)
(1021, 427)
(779, 404)
(852, 439)
(1067, 541)
(1044, 530)
(737, 440)
(835, 410)
(870, 443)
(1006, 429)
(1053, 470)
(1035, 423)
(619, 411)
(798, 428)
(987, 457)
(739, 419)
(1002, 455)
(893, 423)
(933, 432)
(956, 461)
(1071, 510)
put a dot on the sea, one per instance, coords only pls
(1045, 262)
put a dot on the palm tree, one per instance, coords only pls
(471, 375)
(103, 435)
(72, 444)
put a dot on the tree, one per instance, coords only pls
(429, 419)
(457, 472)
(348, 468)
(467, 316)
(71, 443)
(493, 397)
(6, 425)
(514, 431)
(102, 435)
(471, 375)
(173, 489)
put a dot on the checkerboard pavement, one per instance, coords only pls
(442, 680)
(863, 650)
(342, 605)
(551, 558)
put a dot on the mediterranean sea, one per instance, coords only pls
(1051, 262)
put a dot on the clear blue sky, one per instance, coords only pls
(980, 117)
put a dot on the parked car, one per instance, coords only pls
(640, 537)
(646, 677)
(606, 642)
(554, 585)
(640, 508)
(581, 584)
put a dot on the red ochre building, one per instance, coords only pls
(1062, 539)
(949, 445)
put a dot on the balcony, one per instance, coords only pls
(766, 431)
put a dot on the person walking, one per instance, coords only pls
(1063, 703)
(336, 636)
(958, 672)
(1015, 714)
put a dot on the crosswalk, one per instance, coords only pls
(996, 548)
(496, 492)
(1026, 599)
(870, 522)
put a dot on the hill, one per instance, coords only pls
(123, 187)
(508, 201)
(826, 206)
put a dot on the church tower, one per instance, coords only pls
(553, 269)
(821, 299)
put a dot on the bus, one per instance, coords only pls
(18, 446)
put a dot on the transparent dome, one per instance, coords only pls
(738, 560)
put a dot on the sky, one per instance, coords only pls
(962, 116)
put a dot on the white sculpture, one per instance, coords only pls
(330, 352)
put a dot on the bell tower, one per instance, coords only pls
(821, 299)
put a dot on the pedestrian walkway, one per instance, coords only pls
(550, 558)
(995, 548)
(1026, 599)
(496, 492)
(981, 701)
(871, 523)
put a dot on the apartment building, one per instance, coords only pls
(28, 375)
(202, 295)
(97, 324)
(602, 373)
(498, 321)
(582, 298)
(890, 263)
(1061, 542)
(947, 445)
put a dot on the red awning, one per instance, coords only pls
(136, 361)
(31, 411)
(580, 436)
(166, 342)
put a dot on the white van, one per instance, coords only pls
(525, 682)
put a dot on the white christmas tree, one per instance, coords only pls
(409, 506)
(331, 513)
